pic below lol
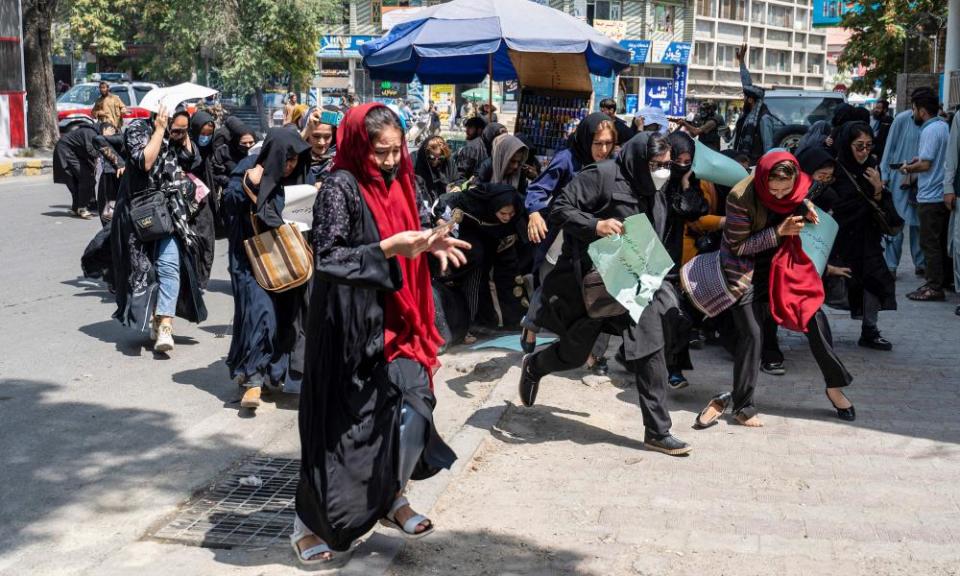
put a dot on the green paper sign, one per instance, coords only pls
(632, 265)
(817, 239)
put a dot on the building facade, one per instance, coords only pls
(785, 50)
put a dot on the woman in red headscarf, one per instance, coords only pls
(366, 408)
(760, 270)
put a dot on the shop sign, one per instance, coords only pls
(639, 50)
(677, 53)
(614, 29)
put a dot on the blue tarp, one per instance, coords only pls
(450, 43)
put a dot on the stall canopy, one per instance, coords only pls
(464, 41)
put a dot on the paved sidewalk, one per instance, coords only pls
(566, 488)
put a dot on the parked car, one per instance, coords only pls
(75, 106)
(792, 112)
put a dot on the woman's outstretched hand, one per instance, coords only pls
(448, 250)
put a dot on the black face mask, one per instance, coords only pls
(389, 175)
(677, 171)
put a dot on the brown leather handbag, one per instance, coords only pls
(280, 257)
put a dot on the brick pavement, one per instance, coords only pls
(565, 487)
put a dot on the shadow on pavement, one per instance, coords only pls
(489, 370)
(220, 286)
(543, 423)
(91, 288)
(214, 379)
(127, 341)
(72, 454)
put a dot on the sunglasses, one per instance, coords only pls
(178, 131)
(860, 146)
(654, 165)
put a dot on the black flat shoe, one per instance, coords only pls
(525, 345)
(669, 445)
(600, 367)
(875, 342)
(529, 382)
(846, 414)
(773, 368)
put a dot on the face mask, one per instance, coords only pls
(660, 177)
(389, 175)
(679, 171)
(204, 140)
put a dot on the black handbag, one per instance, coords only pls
(150, 215)
(883, 213)
(598, 302)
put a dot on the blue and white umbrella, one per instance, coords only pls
(463, 41)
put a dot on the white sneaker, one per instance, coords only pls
(164, 339)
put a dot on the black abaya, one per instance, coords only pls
(351, 397)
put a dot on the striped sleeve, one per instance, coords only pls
(737, 234)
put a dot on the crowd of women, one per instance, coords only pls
(412, 254)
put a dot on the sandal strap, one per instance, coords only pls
(397, 504)
(410, 526)
(315, 551)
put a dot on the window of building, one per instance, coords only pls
(704, 28)
(707, 8)
(338, 17)
(703, 53)
(778, 36)
(815, 64)
(733, 9)
(780, 16)
(778, 61)
(755, 59)
(604, 10)
(727, 56)
(664, 18)
(758, 13)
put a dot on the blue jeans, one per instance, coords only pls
(893, 249)
(168, 276)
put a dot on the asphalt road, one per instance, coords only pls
(100, 437)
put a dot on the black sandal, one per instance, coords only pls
(723, 400)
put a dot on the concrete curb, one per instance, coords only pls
(26, 167)
(375, 555)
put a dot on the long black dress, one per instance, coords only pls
(205, 219)
(74, 159)
(267, 326)
(351, 399)
(859, 243)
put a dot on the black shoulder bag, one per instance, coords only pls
(883, 213)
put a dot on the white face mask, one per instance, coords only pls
(660, 177)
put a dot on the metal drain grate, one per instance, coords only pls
(234, 514)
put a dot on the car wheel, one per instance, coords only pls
(789, 137)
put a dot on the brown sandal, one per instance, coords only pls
(927, 294)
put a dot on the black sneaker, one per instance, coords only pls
(773, 368)
(875, 342)
(677, 381)
(600, 367)
(669, 445)
(697, 339)
(529, 382)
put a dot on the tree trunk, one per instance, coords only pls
(41, 91)
(261, 110)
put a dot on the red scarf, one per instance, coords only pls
(796, 289)
(408, 326)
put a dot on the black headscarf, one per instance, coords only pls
(489, 135)
(197, 122)
(237, 129)
(841, 115)
(845, 154)
(280, 144)
(813, 158)
(436, 178)
(634, 164)
(581, 141)
(681, 142)
(490, 198)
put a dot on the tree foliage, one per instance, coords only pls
(881, 30)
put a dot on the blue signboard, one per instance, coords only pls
(639, 49)
(602, 88)
(830, 12)
(343, 46)
(677, 53)
(658, 92)
(631, 102)
(678, 99)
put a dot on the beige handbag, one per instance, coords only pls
(280, 257)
